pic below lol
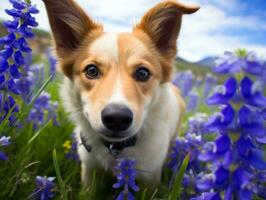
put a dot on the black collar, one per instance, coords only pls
(85, 144)
(115, 148)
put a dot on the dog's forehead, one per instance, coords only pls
(114, 46)
(106, 46)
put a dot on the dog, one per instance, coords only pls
(117, 87)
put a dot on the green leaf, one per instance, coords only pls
(40, 90)
(177, 186)
(144, 194)
(59, 177)
(23, 114)
(32, 139)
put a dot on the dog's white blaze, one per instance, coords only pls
(106, 46)
(118, 96)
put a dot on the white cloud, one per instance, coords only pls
(201, 35)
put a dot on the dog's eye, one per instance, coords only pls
(92, 71)
(142, 74)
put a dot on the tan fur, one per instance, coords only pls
(181, 103)
(156, 105)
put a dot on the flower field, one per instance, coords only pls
(220, 152)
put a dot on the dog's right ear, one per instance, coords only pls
(69, 24)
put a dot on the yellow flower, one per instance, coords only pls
(67, 145)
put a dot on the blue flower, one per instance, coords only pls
(44, 188)
(230, 157)
(32, 78)
(4, 142)
(193, 101)
(43, 111)
(252, 122)
(222, 120)
(18, 4)
(210, 82)
(8, 109)
(52, 61)
(250, 95)
(232, 63)
(196, 123)
(72, 149)
(184, 81)
(250, 154)
(224, 93)
(191, 144)
(212, 150)
(208, 196)
(126, 179)
(15, 44)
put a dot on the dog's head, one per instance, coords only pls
(118, 75)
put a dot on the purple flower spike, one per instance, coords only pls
(13, 12)
(193, 101)
(222, 143)
(125, 196)
(72, 149)
(252, 122)
(231, 63)
(3, 156)
(256, 159)
(208, 196)
(11, 24)
(44, 188)
(33, 9)
(3, 65)
(223, 93)
(221, 120)
(228, 63)
(52, 61)
(15, 45)
(14, 71)
(230, 157)
(8, 39)
(205, 182)
(8, 106)
(126, 179)
(6, 53)
(221, 176)
(18, 4)
(43, 105)
(250, 95)
(184, 81)
(253, 64)
(210, 82)
(4, 142)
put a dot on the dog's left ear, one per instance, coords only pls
(162, 24)
(70, 25)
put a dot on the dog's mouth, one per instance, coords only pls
(116, 147)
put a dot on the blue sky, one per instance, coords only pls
(218, 26)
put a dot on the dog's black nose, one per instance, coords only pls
(117, 117)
